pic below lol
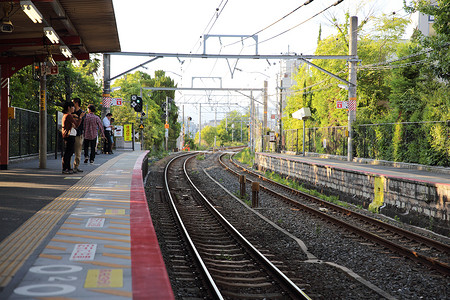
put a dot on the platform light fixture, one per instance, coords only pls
(50, 33)
(75, 61)
(66, 51)
(31, 11)
(49, 61)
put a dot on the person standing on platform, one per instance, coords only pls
(79, 137)
(91, 125)
(108, 133)
(112, 134)
(70, 121)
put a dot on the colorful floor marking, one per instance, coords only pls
(89, 257)
(115, 212)
(95, 222)
(83, 252)
(104, 278)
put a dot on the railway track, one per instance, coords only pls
(416, 247)
(229, 266)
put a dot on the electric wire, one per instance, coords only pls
(312, 17)
(268, 26)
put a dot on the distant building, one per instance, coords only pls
(426, 22)
(288, 68)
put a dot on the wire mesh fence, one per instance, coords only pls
(24, 134)
(412, 142)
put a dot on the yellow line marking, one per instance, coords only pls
(50, 256)
(104, 278)
(75, 218)
(96, 231)
(121, 228)
(72, 223)
(117, 247)
(124, 218)
(115, 211)
(92, 237)
(19, 245)
(102, 205)
(104, 264)
(114, 293)
(56, 248)
(119, 223)
(65, 241)
(117, 255)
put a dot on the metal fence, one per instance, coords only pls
(24, 134)
(412, 142)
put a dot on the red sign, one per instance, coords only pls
(118, 101)
(341, 104)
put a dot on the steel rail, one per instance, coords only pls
(430, 262)
(212, 285)
(292, 287)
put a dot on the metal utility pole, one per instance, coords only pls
(199, 124)
(352, 87)
(106, 81)
(264, 116)
(265, 104)
(166, 130)
(279, 119)
(252, 112)
(43, 120)
(182, 135)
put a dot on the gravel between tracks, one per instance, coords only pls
(382, 274)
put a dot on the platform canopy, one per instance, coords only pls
(83, 27)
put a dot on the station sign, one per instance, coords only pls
(341, 104)
(116, 101)
(127, 135)
(118, 131)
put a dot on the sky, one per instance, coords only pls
(177, 26)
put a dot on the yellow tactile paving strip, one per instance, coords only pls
(18, 247)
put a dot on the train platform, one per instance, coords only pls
(419, 173)
(414, 194)
(87, 235)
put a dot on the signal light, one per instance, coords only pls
(138, 106)
(36, 71)
(136, 103)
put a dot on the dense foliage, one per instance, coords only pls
(402, 85)
(69, 83)
(231, 131)
(154, 118)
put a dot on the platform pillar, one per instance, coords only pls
(4, 121)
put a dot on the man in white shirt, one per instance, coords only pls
(108, 133)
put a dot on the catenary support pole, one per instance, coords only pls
(352, 87)
(199, 124)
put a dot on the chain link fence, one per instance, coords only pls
(411, 142)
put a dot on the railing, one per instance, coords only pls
(24, 134)
(425, 143)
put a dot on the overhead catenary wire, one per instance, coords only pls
(268, 26)
(312, 17)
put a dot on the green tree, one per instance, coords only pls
(229, 129)
(154, 118)
(439, 42)
(320, 92)
(209, 134)
(69, 83)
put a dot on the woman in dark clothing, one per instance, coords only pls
(69, 121)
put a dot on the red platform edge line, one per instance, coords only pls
(149, 275)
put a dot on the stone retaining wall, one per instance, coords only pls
(415, 202)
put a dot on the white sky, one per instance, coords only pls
(175, 26)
